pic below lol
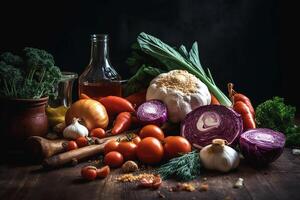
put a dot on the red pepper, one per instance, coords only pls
(115, 105)
(122, 123)
(137, 98)
(214, 100)
(243, 106)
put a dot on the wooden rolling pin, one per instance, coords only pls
(79, 154)
(40, 148)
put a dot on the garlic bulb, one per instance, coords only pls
(181, 91)
(75, 130)
(218, 156)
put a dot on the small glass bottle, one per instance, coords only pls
(100, 79)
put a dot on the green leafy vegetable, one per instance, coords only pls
(141, 79)
(183, 168)
(171, 59)
(276, 115)
(30, 77)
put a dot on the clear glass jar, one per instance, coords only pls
(99, 78)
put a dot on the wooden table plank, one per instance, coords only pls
(278, 181)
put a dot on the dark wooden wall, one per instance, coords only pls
(241, 41)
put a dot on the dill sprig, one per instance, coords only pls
(183, 168)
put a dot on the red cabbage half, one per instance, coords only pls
(152, 112)
(206, 123)
(261, 146)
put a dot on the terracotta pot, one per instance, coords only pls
(22, 118)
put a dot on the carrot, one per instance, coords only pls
(137, 98)
(84, 96)
(214, 100)
(115, 105)
(122, 123)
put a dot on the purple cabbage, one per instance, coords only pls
(261, 146)
(206, 123)
(152, 112)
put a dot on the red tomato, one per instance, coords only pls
(103, 171)
(72, 145)
(89, 172)
(176, 145)
(82, 142)
(98, 133)
(113, 159)
(127, 149)
(111, 146)
(136, 140)
(150, 150)
(152, 131)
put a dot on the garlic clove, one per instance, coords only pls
(75, 130)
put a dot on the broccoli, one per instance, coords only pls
(32, 76)
(276, 115)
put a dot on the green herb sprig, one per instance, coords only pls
(183, 168)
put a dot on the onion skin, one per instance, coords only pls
(259, 151)
(229, 129)
(90, 111)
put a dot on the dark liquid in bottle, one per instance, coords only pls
(97, 90)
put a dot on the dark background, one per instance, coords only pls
(247, 42)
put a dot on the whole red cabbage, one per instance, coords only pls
(206, 123)
(261, 146)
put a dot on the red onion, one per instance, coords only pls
(210, 122)
(261, 146)
(152, 112)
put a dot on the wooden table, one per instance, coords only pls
(281, 180)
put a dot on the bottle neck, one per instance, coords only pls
(99, 51)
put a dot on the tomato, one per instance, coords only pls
(176, 145)
(127, 149)
(98, 133)
(111, 146)
(103, 171)
(113, 159)
(152, 131)
(89, 172)
(150, 150)
(82, 142)
(136, 140)
(72, 145)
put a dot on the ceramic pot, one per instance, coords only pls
(22, 118)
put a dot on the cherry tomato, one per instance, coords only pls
(103, 171)
(111, 146)
(72, 145)
(150, 150)
(89, 172)
(176, 145)
(136, 140)
(114, 159)
(82, 142)
(152, 131)
(127, 149)
(98, 133)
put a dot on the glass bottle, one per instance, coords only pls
(99, 79)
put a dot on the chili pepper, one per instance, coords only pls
(122, 123)
(115, 105)
(248, 119)
(243, 106)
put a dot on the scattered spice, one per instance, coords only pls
(186, 187)
(239, 183)
(129, 166)
(131, 177)
(203, 187)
